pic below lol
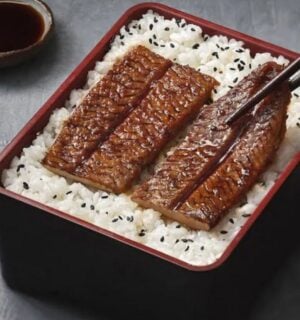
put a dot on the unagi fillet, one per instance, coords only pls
(225, 187)
(205, 144)
(173, 100)
(105, 107)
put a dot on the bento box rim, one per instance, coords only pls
(133, 12)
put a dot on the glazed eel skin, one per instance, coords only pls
(216, 164)
(172, 101)
(106, 105)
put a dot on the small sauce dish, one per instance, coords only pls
(25, 27)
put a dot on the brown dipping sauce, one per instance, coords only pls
(20, 26)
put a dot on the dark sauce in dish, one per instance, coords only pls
(20, 26)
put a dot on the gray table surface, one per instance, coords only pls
(79, 25)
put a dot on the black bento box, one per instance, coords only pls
(45, 252)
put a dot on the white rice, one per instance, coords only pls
(215, 56)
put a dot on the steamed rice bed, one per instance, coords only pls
(225, 59)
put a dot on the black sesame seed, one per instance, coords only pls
(223, 231)
(215, 53)
(183, 25)
(235, 80)
(202, 248)
(154, 36)
(155, 43)
(205, 38)
(155, 20)
(130, 33)
(20, 166)
(239, 50)
(220, 71)
(222, 49)
(151, 26)
(242, 62)
(298, 124)
(187, 240)
(126, 29)
(122, 43)
(192, 29)
(120, 217)
(230, 87)
(25, 185)
(122, 36)
(162, 45)
(236, 60)
(187, 248)
(162, 239)
(296, 95)
(178, 226)
(167, 29)
(139, 27)
(83, 205)
(172, 45)
(92, 207)
(104, 197)
(250, 66)
(233, 69)
(134, 27)
(195, 46)
(178, 21)
(130, 219)
(240, 67)
(114, 220)
(69, 192)
(106, 212)
(54, 197)
(246, 215)
(231, 220)
(177, 240)
(226, 48)
(142, 233)
(150, 40)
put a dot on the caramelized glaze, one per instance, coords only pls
(206, 146)
(104, 108)
(249, 158)
(173, 100)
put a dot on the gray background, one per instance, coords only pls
(79, 25)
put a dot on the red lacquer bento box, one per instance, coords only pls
(45, 250)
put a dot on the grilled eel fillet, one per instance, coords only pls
(173, 100)
(233, 178)
(216, 164)
(104, 108)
